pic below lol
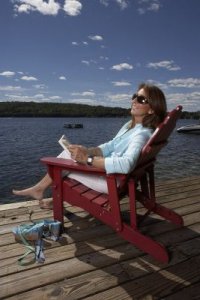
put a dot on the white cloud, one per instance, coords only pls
(154, 7)
(104, 57)
(72, 7)
(23, 8)
(104, 2)
(86, 62)
(19, 98)
(122, 66)
(7, 73)
(148, 5)
(84, 94)
(29, 98)
(39, 96)
(10, 88)
(165, 64)
(28, 78)
(46, 8)
(186, 83)
(55, 98)
(189, 101)
(121, 83)
(84, 101)
(119, 97)
(95, 37)
(62, 78)
(39, 86)
(77, 44)
(122, 3)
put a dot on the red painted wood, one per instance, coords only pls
(139, 185)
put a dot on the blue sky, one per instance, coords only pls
(98, 51)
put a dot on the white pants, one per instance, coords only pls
(97, 183)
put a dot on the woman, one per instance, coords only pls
(119, 155)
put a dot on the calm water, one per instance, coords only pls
(23, 141)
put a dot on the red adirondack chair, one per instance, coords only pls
(139, 186)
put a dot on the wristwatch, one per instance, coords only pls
(90, 160)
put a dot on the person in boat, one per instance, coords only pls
(119, 155)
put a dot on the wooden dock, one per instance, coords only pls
(91, 262)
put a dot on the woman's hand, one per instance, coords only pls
(78, 153)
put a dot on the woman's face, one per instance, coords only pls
(140, 106)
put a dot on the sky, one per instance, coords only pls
(97, 52)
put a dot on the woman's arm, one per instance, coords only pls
(95, 151)
(81, 153)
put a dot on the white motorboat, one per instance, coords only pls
(194, 128)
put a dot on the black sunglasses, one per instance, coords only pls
(140, 99)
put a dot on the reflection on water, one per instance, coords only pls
(23, 141)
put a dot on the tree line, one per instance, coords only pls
(35, 109)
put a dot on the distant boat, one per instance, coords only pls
(73, 126)
(194, 128)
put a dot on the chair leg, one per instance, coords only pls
(168, 214)
(57, 195)
(145, 243)
(150, 202)
(132, 203)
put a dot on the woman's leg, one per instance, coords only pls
(97, 183)
(36, 191)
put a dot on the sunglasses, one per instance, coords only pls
(140, 99)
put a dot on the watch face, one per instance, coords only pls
(89, 160)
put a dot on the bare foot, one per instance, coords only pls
(46, 204)
(32, 192)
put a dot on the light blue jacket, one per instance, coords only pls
(121, 153)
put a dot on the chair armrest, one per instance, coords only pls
(68, 164)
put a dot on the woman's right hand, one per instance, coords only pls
(78, 153)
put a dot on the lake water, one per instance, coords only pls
(23, 141)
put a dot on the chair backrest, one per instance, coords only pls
(160, 137)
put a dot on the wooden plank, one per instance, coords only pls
(91, 194)
(191, 292)
(96, 281)
(94, 263)
(97, 260)
(176, 180)
(26, 217)
(176, 190)
(9, 265)
(157, 285)
(49, 273)
(18, 205)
